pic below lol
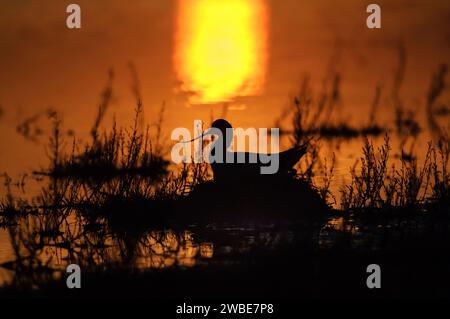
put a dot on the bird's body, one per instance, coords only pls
(241, 193)
(250, 165)
(245, 166)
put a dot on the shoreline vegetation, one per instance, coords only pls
(116, 208)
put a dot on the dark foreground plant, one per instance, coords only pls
(374, 186)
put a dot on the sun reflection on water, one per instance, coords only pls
(221, 48)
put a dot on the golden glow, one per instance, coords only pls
(221, 48)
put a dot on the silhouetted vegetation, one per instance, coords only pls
(30, 129)
(437, 86)
(118, 153)
(406, 124)
(315, 117)
(114, 154)
(377, 186)
(116, 208)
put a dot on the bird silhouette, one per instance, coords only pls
(245, 166)
(240, 193)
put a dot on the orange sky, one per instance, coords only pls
(43, 64)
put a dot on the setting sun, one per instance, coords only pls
(221, 48)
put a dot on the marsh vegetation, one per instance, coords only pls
(115, 206)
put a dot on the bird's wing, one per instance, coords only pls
(287, 159)
(290, 157)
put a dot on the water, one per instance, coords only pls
(41, 72)
(193, 246)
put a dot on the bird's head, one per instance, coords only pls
(225, 128)
(221, 128)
